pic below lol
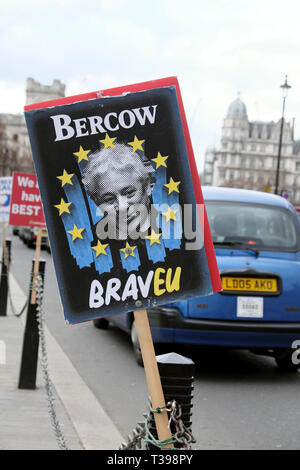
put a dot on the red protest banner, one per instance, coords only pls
(26, 206)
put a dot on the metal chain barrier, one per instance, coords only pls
(10, 297)
(135, 442)
(182, 436)
(38, 284)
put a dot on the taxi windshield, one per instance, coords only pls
(257, 226)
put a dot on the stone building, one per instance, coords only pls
(35, 92)
(15, 152)
(248, 154)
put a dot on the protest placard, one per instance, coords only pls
(26, 205)
(122, 200)
(5, 195)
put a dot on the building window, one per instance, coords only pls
(261, 163)
(253, 147)
(260, 179)
(263, 148)
(222, 173)
(233, 159)
(297, 166)
(252, 163)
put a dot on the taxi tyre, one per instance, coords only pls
(136, 345)
(101, 323)
(283, 358)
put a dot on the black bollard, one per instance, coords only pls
(29, 360)
(4, 279)
(177, 376)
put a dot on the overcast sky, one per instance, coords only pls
(215, 48)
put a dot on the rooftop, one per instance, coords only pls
(237, 107)
(211, 193)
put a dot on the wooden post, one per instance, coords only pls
(36, 264)
(152, 374)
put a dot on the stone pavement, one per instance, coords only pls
(24, 420)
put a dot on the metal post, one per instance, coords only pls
(4, 280)
(177, 376)
(29, 359)
(279, 150)
(285, 88)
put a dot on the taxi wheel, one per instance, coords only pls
(101, 323)
(136, 346)
(287, 359)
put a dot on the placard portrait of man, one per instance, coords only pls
(120, 183)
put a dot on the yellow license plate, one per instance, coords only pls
(249, 284)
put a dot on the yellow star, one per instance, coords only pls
(160, 160)
(82, 154)
(66, 178)
(128, 250)
(172, 186)
(170, 215)
(100, 249)
(108, 142)
(136, 144)
(76, 232)
(63, 207)
(154, 237)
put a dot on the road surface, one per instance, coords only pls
(241, 401)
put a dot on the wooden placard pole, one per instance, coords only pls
(36, 264)
(152, 374)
